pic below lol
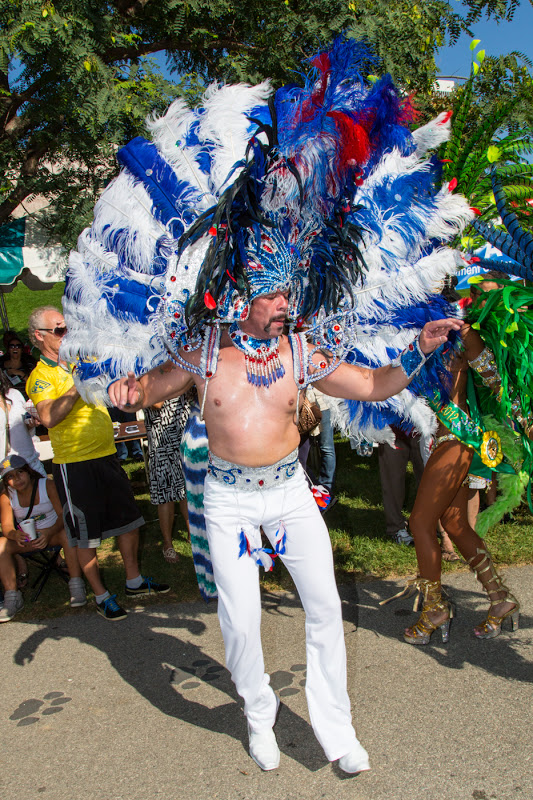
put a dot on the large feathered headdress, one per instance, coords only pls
(313, 188)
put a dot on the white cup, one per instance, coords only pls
(28, 526)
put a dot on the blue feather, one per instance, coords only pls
(169, 195)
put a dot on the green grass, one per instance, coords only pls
(22, 301)
(362, 551)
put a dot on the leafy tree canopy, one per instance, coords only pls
(77, 79)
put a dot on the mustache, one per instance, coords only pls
(279, 318)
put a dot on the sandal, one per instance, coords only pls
(22, 580)
(170, 555)
(448, 555)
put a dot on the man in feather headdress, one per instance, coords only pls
(254, 481)
(244, 217)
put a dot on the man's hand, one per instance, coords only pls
(435, 333)
(126, 393)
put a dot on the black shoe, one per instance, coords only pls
(148, 586)
(110, 609)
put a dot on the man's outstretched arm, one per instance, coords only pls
(358, 383)
(161, 383)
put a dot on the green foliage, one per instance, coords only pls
(21, 301)
(492, 128)
(77, 81)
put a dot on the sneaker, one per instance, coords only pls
(148, 586)
(78, 595)
(13, 603)
(403, 537)
(355, 761)
(110, 609)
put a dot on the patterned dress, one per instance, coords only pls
(164, 429)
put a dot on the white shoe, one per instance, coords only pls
(13, 603)
(355, 761)
(263, 746)
(264, 749)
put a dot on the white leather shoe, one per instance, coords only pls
(263, 746)
(264, 749)
(355, 761)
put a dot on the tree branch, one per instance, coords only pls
(30, 165)
(128, 8)
(134, 51)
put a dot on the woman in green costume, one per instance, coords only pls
(443, 494)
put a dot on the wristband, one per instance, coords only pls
(411, 360)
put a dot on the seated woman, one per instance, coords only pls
(29, 496)
(16, 362)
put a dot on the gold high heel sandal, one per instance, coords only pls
(431, 594)
(492, 625)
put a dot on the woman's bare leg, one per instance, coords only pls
(446, 469)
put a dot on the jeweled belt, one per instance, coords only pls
(251, 479)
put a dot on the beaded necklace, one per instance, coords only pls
(261, 357)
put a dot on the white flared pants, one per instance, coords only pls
(309, 559)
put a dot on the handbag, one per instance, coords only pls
(309, 417)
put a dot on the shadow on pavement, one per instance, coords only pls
(148, 653)
(500, 656)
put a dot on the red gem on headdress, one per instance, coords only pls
(261, 483)
(209, 302)
(172, 278)
(322, 365)
(208, 373)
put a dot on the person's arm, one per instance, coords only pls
(7, 519)
(160, 384)
(52, 412)
(352, 382)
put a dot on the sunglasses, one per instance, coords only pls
(57, 331)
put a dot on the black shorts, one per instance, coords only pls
(97, 500)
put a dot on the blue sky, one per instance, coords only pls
(496, 39)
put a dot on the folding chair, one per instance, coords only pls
(46, 560)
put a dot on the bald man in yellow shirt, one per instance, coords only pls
(97, 498)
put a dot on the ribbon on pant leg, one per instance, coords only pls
(263, 556)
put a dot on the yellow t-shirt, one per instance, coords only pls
(87, 430)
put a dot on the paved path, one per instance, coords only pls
(144, 709)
